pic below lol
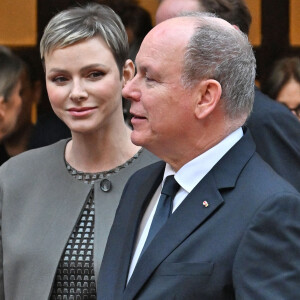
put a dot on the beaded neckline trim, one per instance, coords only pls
(90, 178)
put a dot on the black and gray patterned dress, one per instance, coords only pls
(75, 278)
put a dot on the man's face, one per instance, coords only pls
(10, 109)
(171, 8)
(161, 107)
(28, 95)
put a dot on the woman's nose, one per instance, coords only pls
(78, 92)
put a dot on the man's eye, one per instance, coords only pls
(149, 79)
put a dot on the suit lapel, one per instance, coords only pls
(174, 233)
(179, 226)
(135, 199)
(137, 213)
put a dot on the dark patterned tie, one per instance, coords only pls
(163, 210)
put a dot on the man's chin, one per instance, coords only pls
(137, 138)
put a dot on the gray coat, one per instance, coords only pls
(40, 203)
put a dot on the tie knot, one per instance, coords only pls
(170, 187)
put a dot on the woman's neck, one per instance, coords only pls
(100, 151)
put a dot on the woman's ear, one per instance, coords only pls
(128, 71)
(209, 94)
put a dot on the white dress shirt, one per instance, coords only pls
(188, 177)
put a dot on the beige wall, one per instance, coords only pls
(295, 22)
(18, 22)
(255, 29)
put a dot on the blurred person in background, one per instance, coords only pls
(11, 76)
(20, 136)
(275, 130)
(54, 232)
(136, 19)
(283, 84)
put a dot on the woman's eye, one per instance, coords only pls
(96, 74)
(59, 79)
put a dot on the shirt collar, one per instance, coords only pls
(192, 172)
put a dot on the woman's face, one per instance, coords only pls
(9, 112)
(290, 96)
(84, 85)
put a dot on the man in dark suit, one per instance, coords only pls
(233, 230)
(275, 130)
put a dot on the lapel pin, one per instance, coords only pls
(205, 203)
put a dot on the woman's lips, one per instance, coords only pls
(80, 112)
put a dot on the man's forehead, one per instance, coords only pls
(163, 43)
(161, 49)
(168, 40)
(173, 31)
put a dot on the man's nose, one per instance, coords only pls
(131, 90)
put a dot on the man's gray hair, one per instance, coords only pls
(11, 67)
(224, 54)
(84, 22)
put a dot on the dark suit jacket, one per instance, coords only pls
(276, 132)
(244, 245)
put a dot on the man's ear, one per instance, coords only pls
(2, 107)
(128, 71)
(209, 94)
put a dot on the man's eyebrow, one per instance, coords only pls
(141, 68)
(145, 68)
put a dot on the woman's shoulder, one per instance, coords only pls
(142, 159)
(35, 158)
(148, 157)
